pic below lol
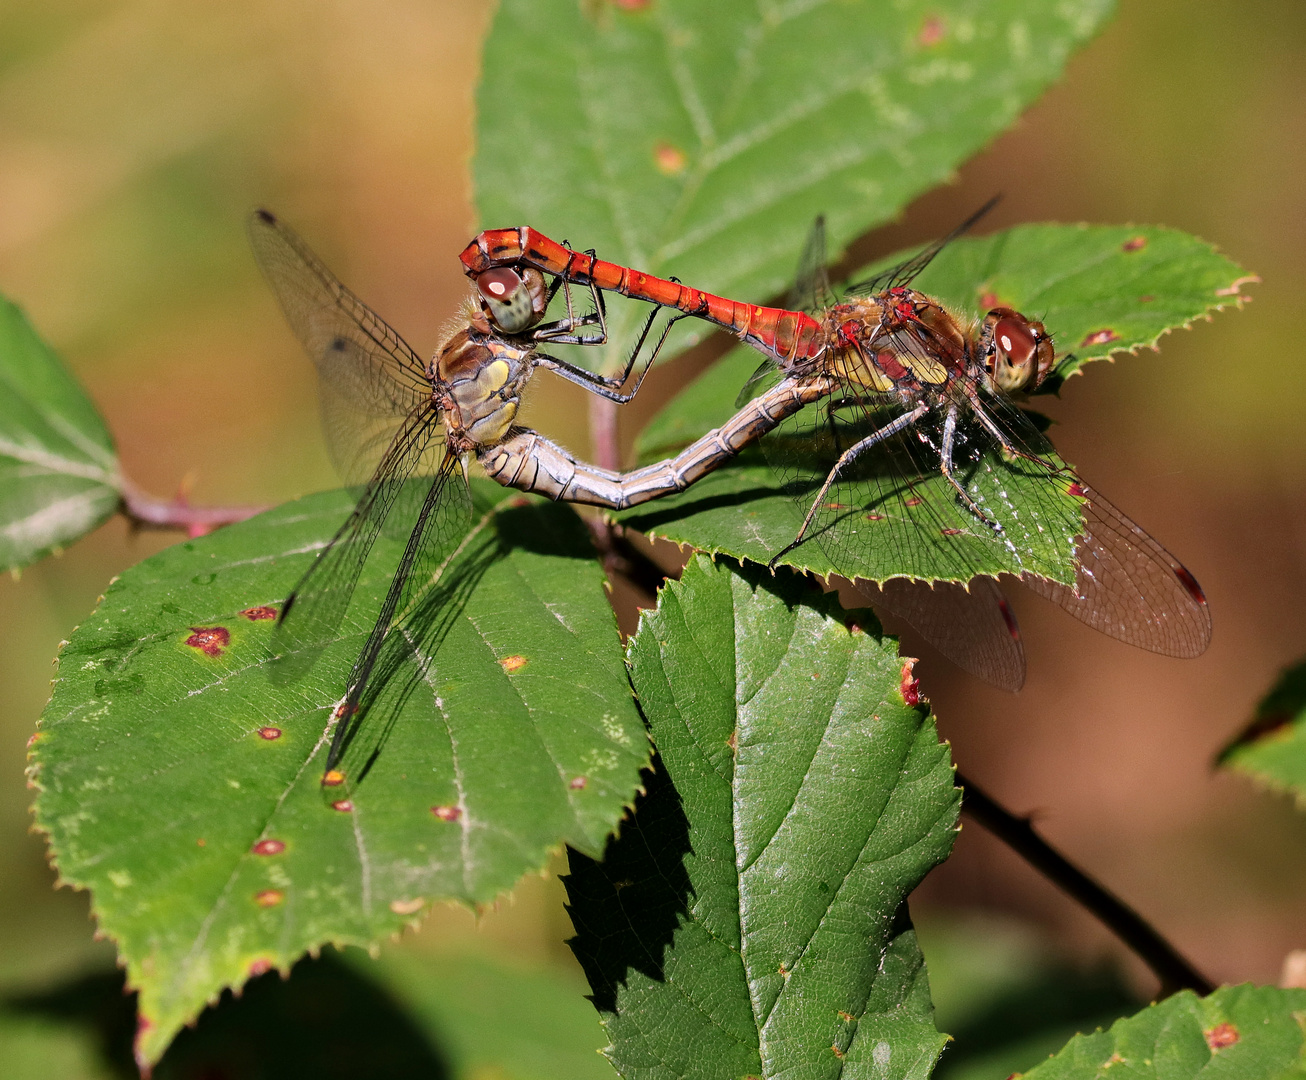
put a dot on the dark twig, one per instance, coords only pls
(1173, 970)
(150, 512)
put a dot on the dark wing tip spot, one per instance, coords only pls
(265, 216)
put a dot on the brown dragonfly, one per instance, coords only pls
(897, 372)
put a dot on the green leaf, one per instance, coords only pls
(58, 470)
(750, 918)
(182, 786)
(1079, 280)
(1238, 1031)
(1272, 748)
(701, 140)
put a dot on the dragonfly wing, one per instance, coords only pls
(440, 523)
(972, 624)
(811, 291)
(311, 615)
(1129, 587)
(370, 380)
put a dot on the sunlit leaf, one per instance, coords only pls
(750, 919)
(58, 470)
(183, 786)
(701, 140)
(1239, 1031)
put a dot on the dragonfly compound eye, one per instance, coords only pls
(1020, 352)
(506, 298)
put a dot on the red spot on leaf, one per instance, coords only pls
(343, 805)
(874, 517)
(908, 684)
(1221, 1035)
(333, 778)
(932, 31)
(447, 813)
(1101, 337)
(1136, 243)
(951, 532)
(513, 663)
(1146, 299)
(200, 842)
(915, 500)
(1076, 489)
(210, 640)
(269, 847)
(269, 897)
(31, 739)
(578, 783)
(259, 614)
(259, 967)
(632, 5)
(670, 159)
(269, 733)
(989, 300)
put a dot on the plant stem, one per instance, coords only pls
(1173, 970)
(603, 433)
(150, 512)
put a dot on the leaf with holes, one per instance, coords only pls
(1272, 748)
(702, 140)
(58, 470)
(1132, 284)
(183, 787)
(750, 919)
(1238, 1031)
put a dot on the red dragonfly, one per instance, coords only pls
(891, 362)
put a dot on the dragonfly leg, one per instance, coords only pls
(991, 426)
(945, 466)
(562, 330)
(606, 386)
(846, 459)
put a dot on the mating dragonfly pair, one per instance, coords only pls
(885, 361)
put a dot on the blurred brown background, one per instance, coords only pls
(136, 135)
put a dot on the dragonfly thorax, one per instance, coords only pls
(480, 378)
(904, 342)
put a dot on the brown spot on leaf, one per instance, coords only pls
(1100, 337)
(670, 159)
(733, 741)
(200, 842)
(259, 614)
(915, 500)
(408, 907)
(269, 897)
(1220, 1036)
(333, 778)
(210, 640)
(847, 1018)
(578, 783)
(269, 733)
(1146, 299)
(269, 847)
(343, 805)
(837, 1052)
(31, 739)
(951, 532)
(1136, 243)
(932, 31)
(447, 813)
(513, 663)
(874, 517)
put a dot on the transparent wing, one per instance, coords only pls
(971, 624)
(1129, 587)
(311, 616)
(369, 379)
(811, 291)
(905, 272)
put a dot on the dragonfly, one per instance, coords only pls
(405, 430)
(889, 362)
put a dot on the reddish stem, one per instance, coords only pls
(150, 512)
(603, 433)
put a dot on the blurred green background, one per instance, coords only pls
(135, 136)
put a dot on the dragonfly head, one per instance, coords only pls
(1017, 352)
(514, 301)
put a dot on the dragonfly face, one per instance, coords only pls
(1017, 352)
(512, 300)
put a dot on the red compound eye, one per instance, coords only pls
(1015, 340)
(499, 285)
